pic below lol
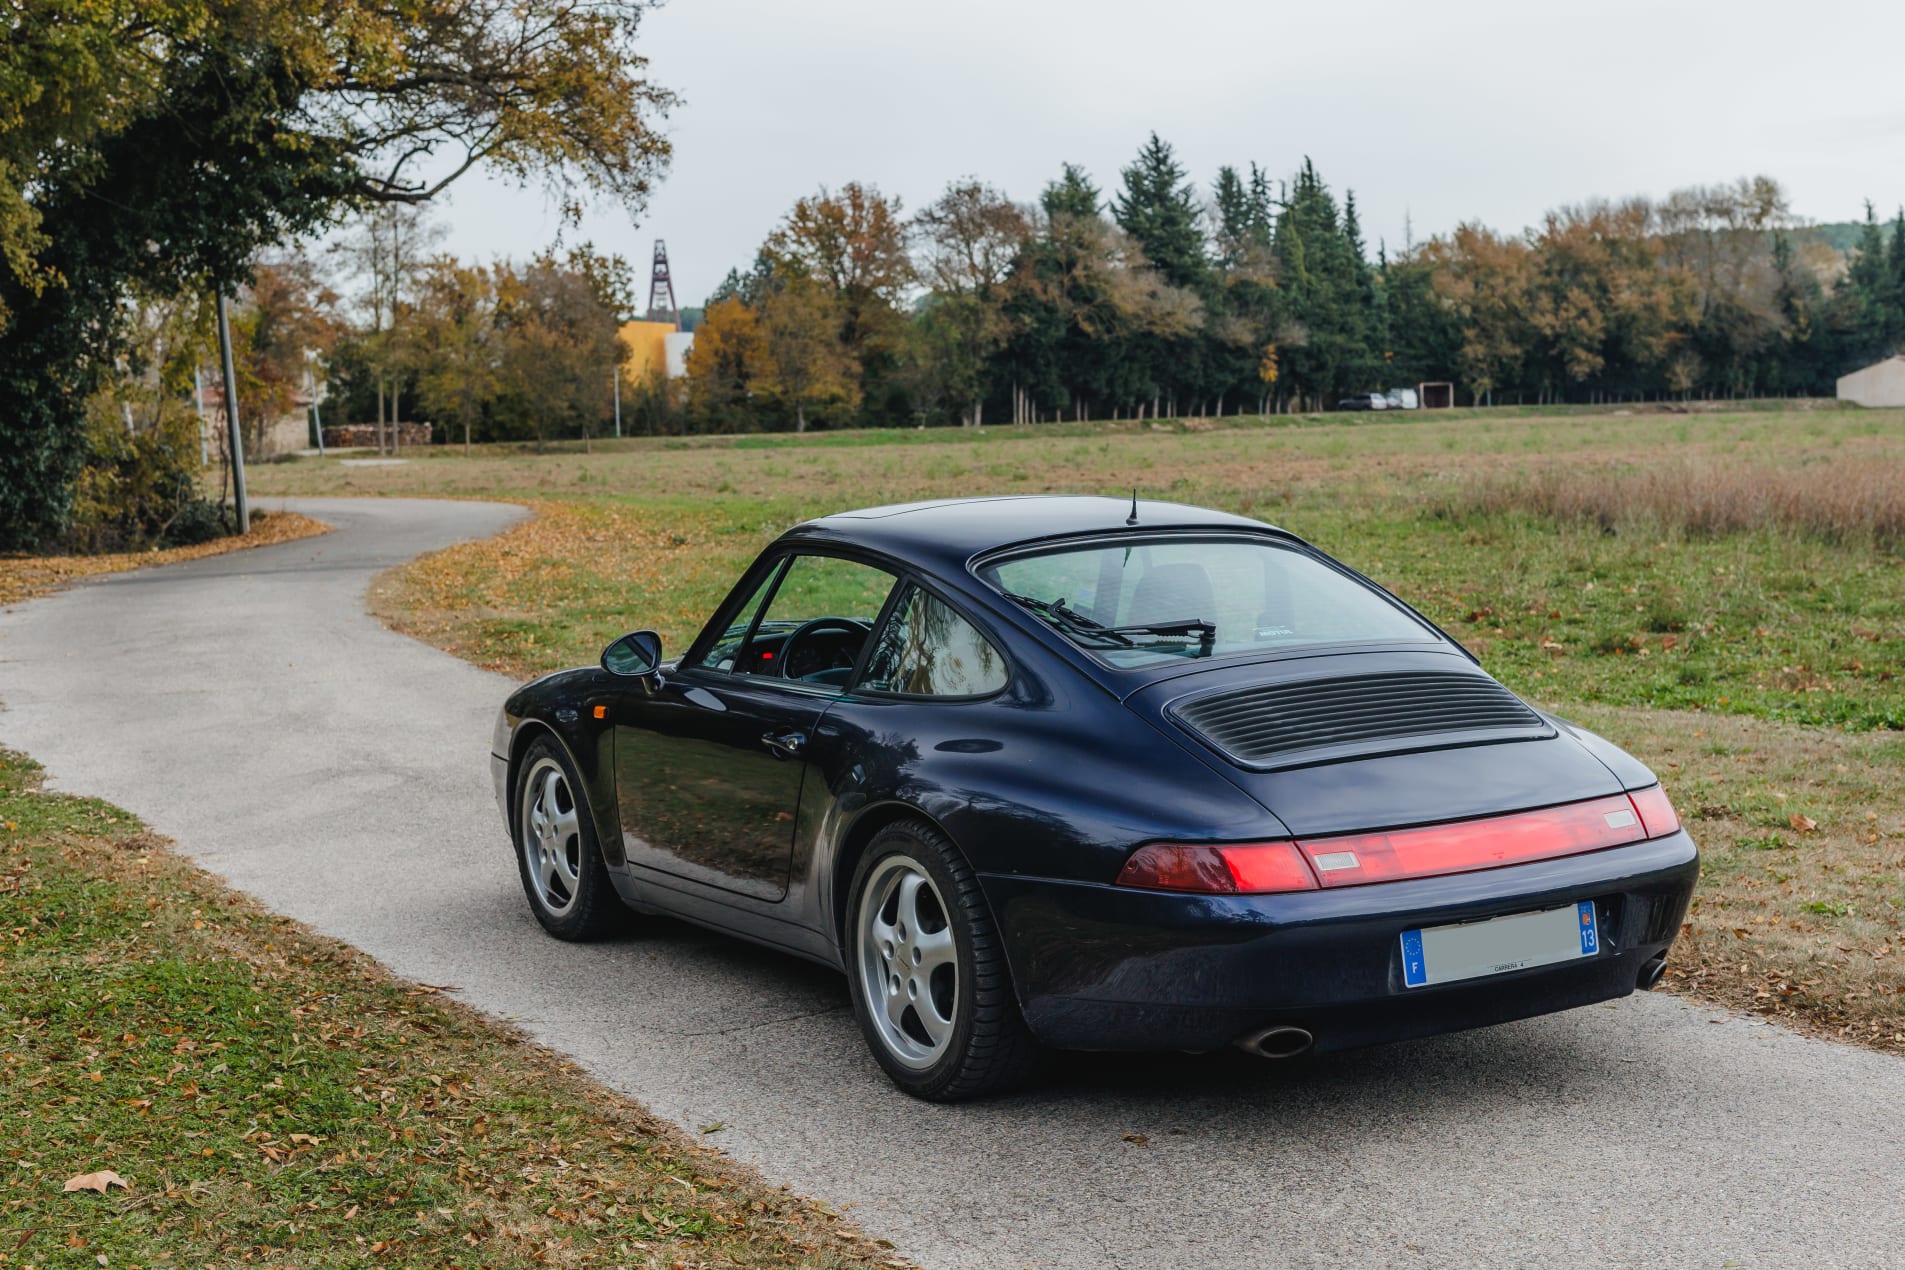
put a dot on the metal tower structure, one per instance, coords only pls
(660, 285)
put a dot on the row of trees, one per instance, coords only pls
(498, 351)
(1264, 296)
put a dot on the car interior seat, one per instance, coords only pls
(1172, 592)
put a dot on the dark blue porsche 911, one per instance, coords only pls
(1077, 773)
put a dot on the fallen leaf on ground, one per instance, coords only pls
(1803, 823)
(1138, 1139)
(99, 1181)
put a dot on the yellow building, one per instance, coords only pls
(648, 348)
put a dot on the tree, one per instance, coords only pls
(156, 148)
(283, 320)
(1158, 207)
(803, 364)
(969, 238)
(559, 350)
(387, 254)
(725, 360)
(456, 340)
(853, 243)
(1484, 281)
(1329, 336)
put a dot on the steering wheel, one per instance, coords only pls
(850, 625)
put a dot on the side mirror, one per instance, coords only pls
(633, 656)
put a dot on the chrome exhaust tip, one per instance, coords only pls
(1276, 1042)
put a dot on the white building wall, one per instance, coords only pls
(1882, 384)
(675, 346)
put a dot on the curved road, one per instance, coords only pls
(247, 706)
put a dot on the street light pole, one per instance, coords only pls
(233, 437)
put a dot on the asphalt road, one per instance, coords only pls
(247, 706)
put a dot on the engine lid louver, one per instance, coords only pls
(1314, 720)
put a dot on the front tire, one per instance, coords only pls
(556, 854)
(928, 973)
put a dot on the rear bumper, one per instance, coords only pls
(1106, 968)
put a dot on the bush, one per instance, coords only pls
(199, 520)
(140, 489)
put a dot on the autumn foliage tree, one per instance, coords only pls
(154, 149)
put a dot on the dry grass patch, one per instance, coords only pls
(24, 576)
(1802, 884)
(1857, 500)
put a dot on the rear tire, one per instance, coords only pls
(928, 974)
(556, 854)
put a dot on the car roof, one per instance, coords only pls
(943, 535)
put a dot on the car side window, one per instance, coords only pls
(927, 650)
(726, 649)
(832, 604)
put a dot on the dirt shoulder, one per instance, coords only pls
(24, 576)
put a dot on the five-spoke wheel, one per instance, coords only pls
(927, 969)
(552, 834)
(569, 889)
(909, 962)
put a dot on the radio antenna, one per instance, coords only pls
(1133, 518)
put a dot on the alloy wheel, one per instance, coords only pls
(909, 962)
(551, 836)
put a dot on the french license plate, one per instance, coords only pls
(1446, 954)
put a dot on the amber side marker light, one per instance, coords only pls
(1258, 868)
(601, 712)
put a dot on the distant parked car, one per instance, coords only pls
(1402, 399)
(1364, 401)
(1097, 775)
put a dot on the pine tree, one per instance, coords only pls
(1867, 296)
(1072, 194)
(1159, 208)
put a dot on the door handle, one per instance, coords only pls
(785, 744)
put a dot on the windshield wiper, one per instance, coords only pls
(1070, 620)
(1204, 631)
(1073, 622)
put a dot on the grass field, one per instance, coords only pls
(1721, 591)
(270, 1097)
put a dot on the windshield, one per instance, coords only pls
(1141, 603)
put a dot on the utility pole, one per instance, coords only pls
(204, 433)
(311, 383)
(234, 438)
(616, 378)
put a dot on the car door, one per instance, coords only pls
(709, 762)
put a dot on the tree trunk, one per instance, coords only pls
(800, 416)
(380, 412)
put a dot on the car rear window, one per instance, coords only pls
(1252, 594)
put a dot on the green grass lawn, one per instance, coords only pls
(1756, 665)
(274, 1098)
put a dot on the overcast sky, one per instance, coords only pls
(1438, 113)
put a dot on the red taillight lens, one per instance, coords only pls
(1657, 815)
(1257, 868)
(1475, 844)
(1243, 868)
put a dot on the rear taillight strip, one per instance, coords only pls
(1468, 845)
(1257, 868)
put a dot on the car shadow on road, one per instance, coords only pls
(1590, 1053)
